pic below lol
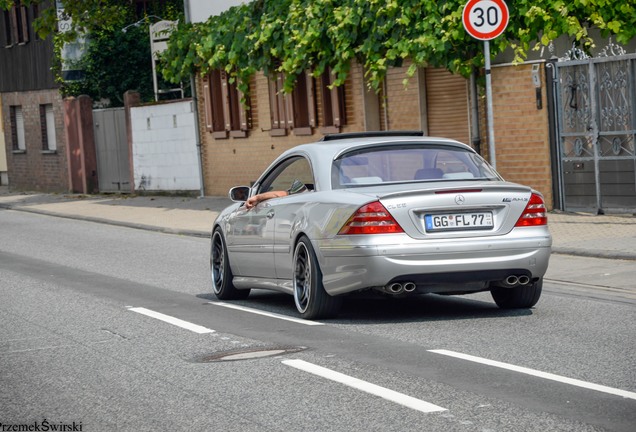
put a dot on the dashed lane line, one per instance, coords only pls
(537, 373)
(365, 386)
(172, 320)
(268, 314)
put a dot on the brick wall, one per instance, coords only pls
(36, 169)
(522, 142)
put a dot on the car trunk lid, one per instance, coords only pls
(458, 209)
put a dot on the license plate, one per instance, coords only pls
(458, 221)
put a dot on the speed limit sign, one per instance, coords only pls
(485, 19)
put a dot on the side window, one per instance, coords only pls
(224, 113)
(295, 111)
(285, 174)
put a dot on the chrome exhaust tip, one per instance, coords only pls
(512, 280)
(395, 288)
(409, 287)
(523, 280)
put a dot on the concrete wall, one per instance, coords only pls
(164, 150)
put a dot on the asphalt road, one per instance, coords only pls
(81, 344)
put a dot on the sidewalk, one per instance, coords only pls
(605, 236)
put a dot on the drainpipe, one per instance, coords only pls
(475, 135)
(197, 133)
(553, 127)
(385, 104)
(195, 109)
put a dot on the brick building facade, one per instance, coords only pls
(522, 141)
(38, 161)
(434, 101)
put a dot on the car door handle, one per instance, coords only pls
(270, 214)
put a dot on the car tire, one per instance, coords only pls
(312, 301)
(521, 297)
(221, 272)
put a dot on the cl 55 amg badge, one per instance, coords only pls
(514, 199)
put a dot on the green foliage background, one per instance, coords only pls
(114, 61)
(117, 61)
(294, 35)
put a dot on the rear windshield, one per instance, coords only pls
(408, 163)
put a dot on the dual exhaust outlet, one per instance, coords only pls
(399, 287)
(514, 280)
(408, 287)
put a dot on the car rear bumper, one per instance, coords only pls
(354, 267)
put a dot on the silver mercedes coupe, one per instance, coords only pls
(395, 212)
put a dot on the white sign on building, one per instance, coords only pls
(159, 35)
(72, 52)
(201, 10)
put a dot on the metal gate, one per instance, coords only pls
(111, 145)
(596, 121)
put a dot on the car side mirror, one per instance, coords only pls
(239, 193)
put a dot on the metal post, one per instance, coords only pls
(593, 136)
(489, 115)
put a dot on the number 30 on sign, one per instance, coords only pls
(485, 19)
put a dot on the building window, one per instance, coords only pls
(17, 128)
(8, 28)
(278, 106)
(225, 115)
(47, 125)
(16, 24)
(333, 115)
(295, 111)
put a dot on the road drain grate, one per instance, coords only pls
(247, 354)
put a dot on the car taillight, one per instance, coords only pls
(534, 214)
(372, 218)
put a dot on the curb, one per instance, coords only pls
(612, 255)
(185, 232)
(598, 254)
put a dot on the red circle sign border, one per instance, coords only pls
(490, 35)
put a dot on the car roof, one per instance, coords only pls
(335, 147)
(322, 153)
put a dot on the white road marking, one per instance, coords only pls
(385, 393)
(269, 314)
(172, 320)
(537, 373)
